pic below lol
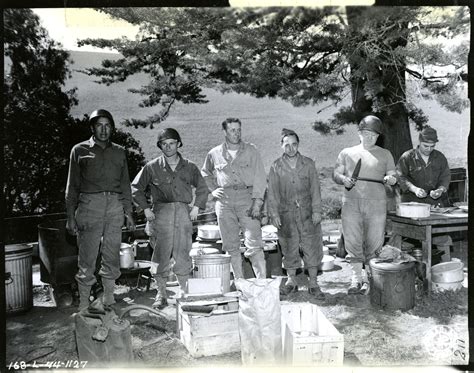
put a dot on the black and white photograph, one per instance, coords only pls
(236, 187)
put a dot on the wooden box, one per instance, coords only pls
(308, 337)
(208, 333)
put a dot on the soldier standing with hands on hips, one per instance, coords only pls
(235, 174)
(170, 178)
(98, 198)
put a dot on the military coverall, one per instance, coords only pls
(293, 196)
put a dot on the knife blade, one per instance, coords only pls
(356, 171)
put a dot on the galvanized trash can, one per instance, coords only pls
(18, 278)
(392, 285)
(213, 265)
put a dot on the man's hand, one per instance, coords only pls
(390, 180)
(256, 208)
(420, 193)
(150, 215)
(316, 218)
(71, 226)
(276, 222)
(348, 182)
(435, 194)
(194, 213)
(130, 222)
(218, 193)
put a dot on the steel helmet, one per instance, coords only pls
(101, 113)
(371, 123)
(169, 133)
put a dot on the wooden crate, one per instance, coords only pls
(308, 336)
(209, 334)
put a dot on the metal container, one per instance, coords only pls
(211, 266)
(447, 272)
(327, 263)
(18, 278)
(413, 209)
(392, 285)
(58, 253)
(209, 232)
(127, 256)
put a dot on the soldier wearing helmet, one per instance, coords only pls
(171, 179)
(364, 203)
(98, 199)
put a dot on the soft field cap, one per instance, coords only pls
(428, 134)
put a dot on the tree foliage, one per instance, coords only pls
(39, 132)
(384, 58)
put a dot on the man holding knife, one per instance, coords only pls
(363, 169)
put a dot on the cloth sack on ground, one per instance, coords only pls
(260, 320)
(394, 254)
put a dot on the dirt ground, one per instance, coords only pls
(434, 332)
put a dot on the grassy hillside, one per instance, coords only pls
(263, 119)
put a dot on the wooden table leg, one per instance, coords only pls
(426, 247)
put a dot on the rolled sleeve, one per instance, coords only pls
(207, 172)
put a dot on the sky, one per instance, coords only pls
(67, 25)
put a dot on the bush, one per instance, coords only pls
(331, 208)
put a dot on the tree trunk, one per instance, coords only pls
(396, 137)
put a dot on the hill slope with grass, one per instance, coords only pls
(263, 119)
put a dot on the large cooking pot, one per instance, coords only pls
(127, 256)
(413, 209)
(209, 232)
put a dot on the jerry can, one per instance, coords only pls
(103, 338)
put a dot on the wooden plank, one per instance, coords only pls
(408, 230)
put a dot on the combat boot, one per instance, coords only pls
(313, 287)
(291, 286)
(84, 296)
(161, 300)
(108, 296)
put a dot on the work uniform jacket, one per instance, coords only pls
(171, 193)
(412, 170)
(293, 196)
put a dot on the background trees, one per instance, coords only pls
(39, 132)
(381, 57)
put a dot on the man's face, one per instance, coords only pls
(233, 133)
(169, 147)
(290, 145)
(368, 138)
(426, 147)
(102, 129)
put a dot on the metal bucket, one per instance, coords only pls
(211, 266)
(392, 285)
(18, 278)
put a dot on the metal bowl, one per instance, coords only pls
(447, 272)
(327, 263)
